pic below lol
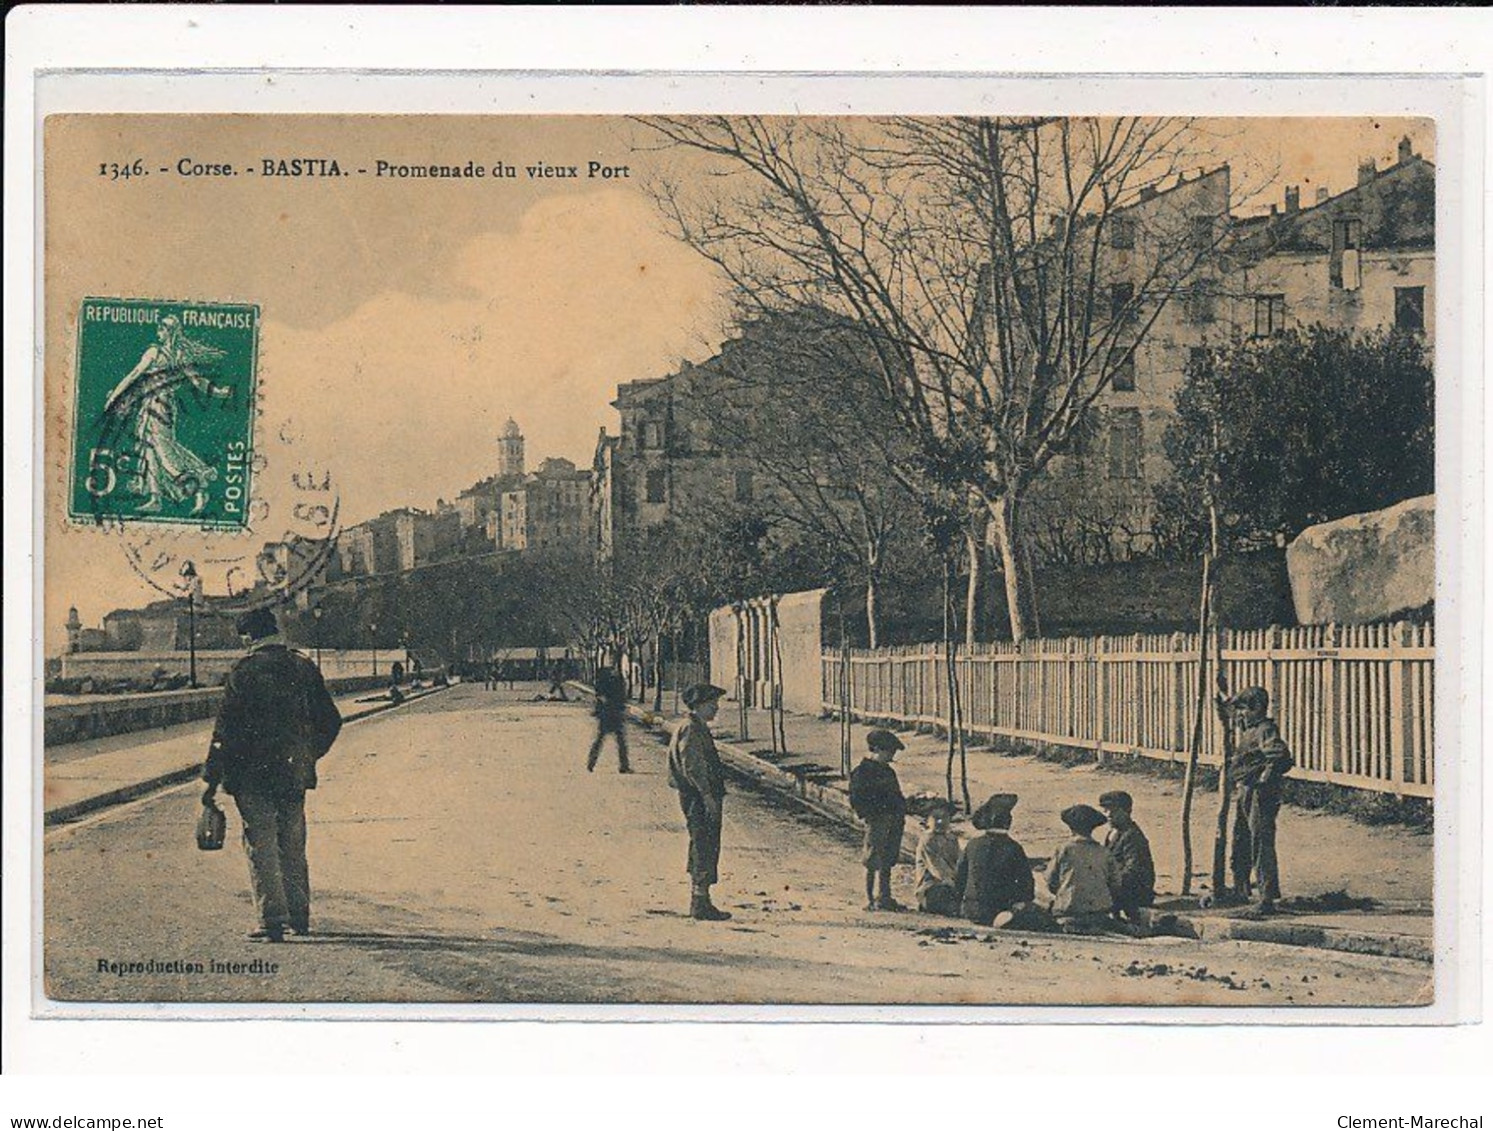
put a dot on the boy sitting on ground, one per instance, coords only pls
(1132, 856)
(938, 861)
(994, 879)
(1083, 876)
(876, 797)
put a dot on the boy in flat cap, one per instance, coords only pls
(876, 797)
(1083, 878)
(695, 771)
(1261, 763)
(1132, 855)
(937, 867)
(994, 875)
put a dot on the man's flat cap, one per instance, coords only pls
(996, 812)
(699, 693)
(1116, 799)
(256, 624)
(882, 739)
(1083, 818)
(1252, 697)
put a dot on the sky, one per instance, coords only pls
(404, 321)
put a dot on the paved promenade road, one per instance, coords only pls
(461, 853)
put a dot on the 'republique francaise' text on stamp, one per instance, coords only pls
(163, 427)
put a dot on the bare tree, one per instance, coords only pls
(1000, 271)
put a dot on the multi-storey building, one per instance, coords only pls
(423, 537)
(549, 510)
(666, 462)
(1359, 260)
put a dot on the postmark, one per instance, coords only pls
(163, 426)
(286, 546)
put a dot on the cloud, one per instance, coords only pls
(406, 396)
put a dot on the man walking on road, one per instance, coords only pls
(611, 715)
(276, 721)
(695, 771)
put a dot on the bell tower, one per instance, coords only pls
(511, 451)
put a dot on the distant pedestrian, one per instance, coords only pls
(994, 878)
(557, 682)
(1261, 762)
(1131, 851)
(490, 676)
(695, 771)
(610, 710)
(876, 797)
(1082, 876)
(937, 863)
(276, 721)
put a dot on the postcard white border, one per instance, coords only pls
(218, 38)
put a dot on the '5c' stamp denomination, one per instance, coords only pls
(163, 429)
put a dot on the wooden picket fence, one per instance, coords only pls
(1354, 702)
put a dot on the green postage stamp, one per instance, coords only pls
(163, 428)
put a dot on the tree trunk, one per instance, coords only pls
(972, 589)
(873, 614)
(1005, 512)
(1195, 746)
(1226, 755)
(952, 689)
(658, 672)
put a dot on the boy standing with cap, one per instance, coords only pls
(1261, 763)
(695, 771)
(1131, 852)
(876, 797)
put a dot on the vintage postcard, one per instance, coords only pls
(745, 560)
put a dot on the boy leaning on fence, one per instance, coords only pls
(1261, 763)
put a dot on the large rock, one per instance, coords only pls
(1365, 567)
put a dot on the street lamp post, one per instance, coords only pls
(316, 616)
(193, 583)
(373, 639)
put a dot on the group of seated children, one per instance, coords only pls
(989, 880)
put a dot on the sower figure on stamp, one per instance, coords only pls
(167, 467)
(611, 716)
(695, 771)
(1261, 763)
(276, 721)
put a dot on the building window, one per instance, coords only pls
(653, 435)
(1122, 233)
(657, 487)
(1410, 309)
(743, 486)
(1124, 443)
(1270, 315)
(1199, 304)
(1121, 296)
(1200, 232)
(1344, 268)
(699, 435)
(1197, 358)
(1124, 378)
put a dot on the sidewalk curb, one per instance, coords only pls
(66, 814)
(812, 786)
